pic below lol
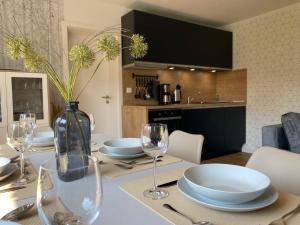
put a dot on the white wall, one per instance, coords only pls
(93, 12)
(98, 15)
(269, 47)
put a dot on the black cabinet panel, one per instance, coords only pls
(177, 42)
(235, 128)
(223, 129)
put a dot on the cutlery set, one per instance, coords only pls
(168, 206)
(131, 165)
(18, 212)
(281, 220)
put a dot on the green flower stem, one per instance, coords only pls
(91, 77)
(73, 75)
(81, 132)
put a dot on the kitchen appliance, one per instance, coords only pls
(165, 95)
(177, 94)
(171, 117)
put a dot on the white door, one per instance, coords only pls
(3, 108)
(102, 95)
(27, 92)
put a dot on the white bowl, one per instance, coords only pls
(43, 137)
(124, 146)
(4, 162)
(227, 183)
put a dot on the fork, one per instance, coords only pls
(281, 221)
(128, 167)
(130, 162)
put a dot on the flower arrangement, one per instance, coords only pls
(83, 55)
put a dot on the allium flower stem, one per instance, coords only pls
(91, 77)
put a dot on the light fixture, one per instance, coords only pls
(213, 71)
(171, 68)
(192, 69)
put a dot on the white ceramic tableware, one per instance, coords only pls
(104, 151)
(9, 170)
(4, 162)
(124, 146)
(5, 222)
(227, 183)
(44, 138)
(267, 198)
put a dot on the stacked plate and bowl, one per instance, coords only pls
(227, 187)
(43, 140)
(122, 148)
(6, 168)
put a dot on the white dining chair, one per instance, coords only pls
(186, 146)
(281, 166)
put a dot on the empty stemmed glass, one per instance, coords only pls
(20, 137)
(155, 141)
(74, 201)
(28, 117)
(92, 126)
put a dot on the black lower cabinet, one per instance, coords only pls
(224, 129)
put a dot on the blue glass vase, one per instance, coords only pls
(72, 134)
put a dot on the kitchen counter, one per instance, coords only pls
(191, 106)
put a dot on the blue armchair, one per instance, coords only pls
(274, 136)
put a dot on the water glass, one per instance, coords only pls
(28, 117)
(155, 141)
(75, 202)
(20, 137)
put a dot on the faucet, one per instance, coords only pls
(189, 99)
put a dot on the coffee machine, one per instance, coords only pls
(165, 95)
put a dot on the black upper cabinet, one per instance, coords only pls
(176, 42)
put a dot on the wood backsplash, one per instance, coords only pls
(202, 86)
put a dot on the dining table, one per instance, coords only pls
(118, 207)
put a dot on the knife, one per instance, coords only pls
(13, 215)
(168, 184)
(3, 190)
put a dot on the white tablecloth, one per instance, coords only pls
(118, 207)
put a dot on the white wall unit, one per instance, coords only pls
(22, 92)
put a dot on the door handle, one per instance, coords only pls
(107, 98)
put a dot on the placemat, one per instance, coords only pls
(29, 191)
(284, 204)
(108, 168)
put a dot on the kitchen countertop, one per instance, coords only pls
(192, 105)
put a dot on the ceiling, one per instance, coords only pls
(211, 12)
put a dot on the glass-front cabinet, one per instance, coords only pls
(27, 92)
(3, 113)
(23, 92)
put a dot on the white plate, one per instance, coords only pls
(227, 183)
(4, 162)
(266, 199)
(118, 156)
(5, 222)
(43, 138)
(44, 144)
(124, 146)
(8, 171)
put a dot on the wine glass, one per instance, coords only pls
(28, 117)
(20, 137)
(74, 201)
(155, 140)
(92, 126)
